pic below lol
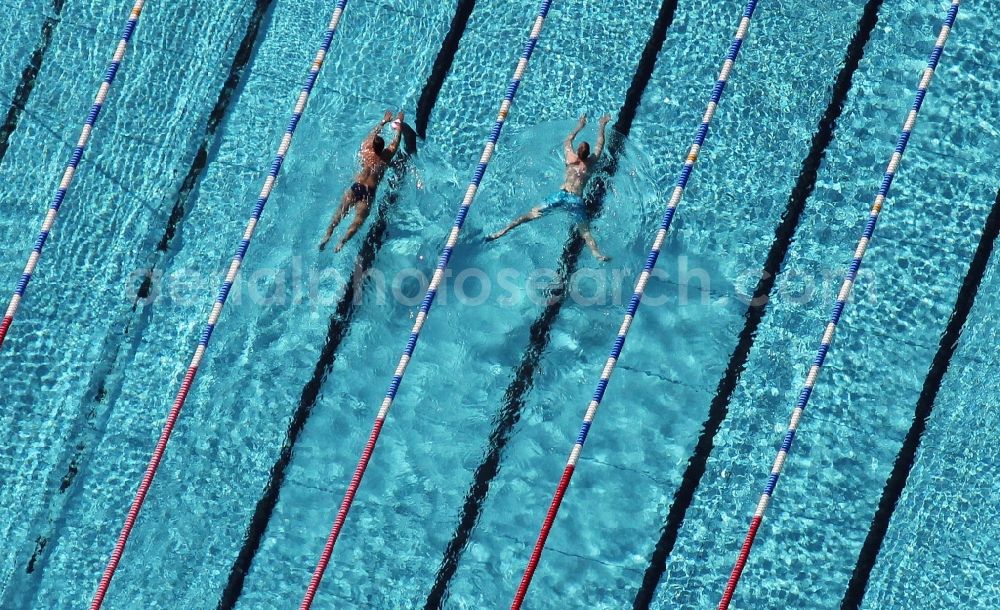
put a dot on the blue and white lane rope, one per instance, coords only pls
(220, 301)
(838, 309)
(640, 287)
(425, 306)
(67, 178)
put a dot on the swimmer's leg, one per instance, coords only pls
(346, 204)
(361, 211)
(534, 214)
(584, 229)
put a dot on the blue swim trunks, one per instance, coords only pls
(567, 201)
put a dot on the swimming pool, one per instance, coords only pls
(91, 367)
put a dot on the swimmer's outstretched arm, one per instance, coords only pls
(378, 128)
(588, 238)
(602, 124)
(394, 145)
(568, 142)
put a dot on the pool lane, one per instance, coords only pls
(757, 300)
(229, 434)
(155, 111)
(22, 22)
(864, 403)
(509, 413)
(938, 550)
(342, 315)
(27, 27)
(638, 449)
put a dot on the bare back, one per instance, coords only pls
(373, 166)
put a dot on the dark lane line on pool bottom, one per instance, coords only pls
(99, 382)
(27, 83)
(514, 398)
(783, 237)
(907, 455)
(342, 318)
(241, 60)
(133, 328)
(442, 66)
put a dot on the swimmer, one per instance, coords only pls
(579, 163)
(375, 158)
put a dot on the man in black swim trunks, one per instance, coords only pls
(579, 165)
(375, 158)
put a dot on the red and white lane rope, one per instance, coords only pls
(838, 310)
(690, 159)
(220, 301)
(70, 171)
(425, 306)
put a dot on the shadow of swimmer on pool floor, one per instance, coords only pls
(375, 159)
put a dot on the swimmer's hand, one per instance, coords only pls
(583, 120)
(399, 121)
(604, 258)
(387, 117)
(340, 246)
(604, 120)
(322, 245)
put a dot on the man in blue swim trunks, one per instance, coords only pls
(375, 158)
(579, 163)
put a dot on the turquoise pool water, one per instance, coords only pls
(89, 372)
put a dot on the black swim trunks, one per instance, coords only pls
(362, 192)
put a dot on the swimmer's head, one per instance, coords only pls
(583, 151)
(378, 145)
